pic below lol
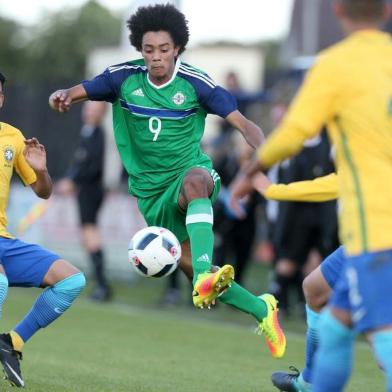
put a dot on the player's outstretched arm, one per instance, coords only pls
(318, 190)
(61, 100)
(252, 133)
(35, 155)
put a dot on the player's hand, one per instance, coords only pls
(239, 190)
(242, 185)
(261, 182)
(35, 154)
(60, 101)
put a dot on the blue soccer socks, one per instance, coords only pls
(333, 361)
(382, 345)
(50, 305)
(312, 340)
(3, 290)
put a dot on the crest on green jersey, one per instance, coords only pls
(178, 98)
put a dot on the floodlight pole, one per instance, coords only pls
(310, 29)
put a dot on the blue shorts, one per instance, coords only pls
(332, 266)
(25, 265)
(364, 289)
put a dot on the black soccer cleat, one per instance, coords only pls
(10, 358)
(287, 382)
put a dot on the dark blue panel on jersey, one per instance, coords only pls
(161, 113)
(214, 99)
(220, 102)
(107, 85)
(146, 240)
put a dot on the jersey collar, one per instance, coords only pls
(177, 66)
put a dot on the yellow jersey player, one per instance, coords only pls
(350, 89)
(29, 265)
(318, 285)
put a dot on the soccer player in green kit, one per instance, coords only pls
(159, 110)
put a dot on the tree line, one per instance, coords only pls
(58, 46)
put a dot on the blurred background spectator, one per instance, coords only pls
(85, 180)
(303, 233)
(234, 236)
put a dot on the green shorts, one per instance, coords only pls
(163, 209)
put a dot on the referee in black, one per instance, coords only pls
(85, 178)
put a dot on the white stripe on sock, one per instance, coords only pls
(198, 218)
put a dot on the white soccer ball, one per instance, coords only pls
(154, 252)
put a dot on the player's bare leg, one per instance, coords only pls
(186, 260)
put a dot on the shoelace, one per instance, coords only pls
(295, 370)
(262, 331)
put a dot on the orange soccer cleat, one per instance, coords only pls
(270, 328)
(210, 285)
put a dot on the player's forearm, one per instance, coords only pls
(43, 185)
(253, 134)
(77, 93)
(319, 190)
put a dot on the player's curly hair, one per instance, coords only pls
(158, 17)
(2, 80)
(364, 10)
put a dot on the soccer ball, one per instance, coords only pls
(154, 252)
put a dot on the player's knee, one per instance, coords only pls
(195, 185)
(313, 297)
(78, 281)
(307, 289)
(73, 284)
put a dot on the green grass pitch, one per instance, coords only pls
(132, 346)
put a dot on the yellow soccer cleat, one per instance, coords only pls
(210, 285)
(270, 328)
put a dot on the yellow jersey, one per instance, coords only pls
(349, 89)
(318, 190)
(11, 150)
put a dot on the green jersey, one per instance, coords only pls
(158, 129)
